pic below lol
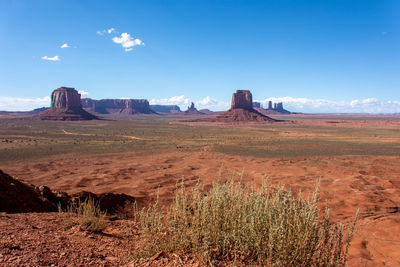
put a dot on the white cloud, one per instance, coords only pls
(183, 102)
(212, 104)
(55, 58)
(83, 93)
(23, 104)
(110, 30)
(127, 41)
(101, 32)
(369, 105)
(64, 46)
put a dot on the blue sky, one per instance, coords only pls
(316, 56)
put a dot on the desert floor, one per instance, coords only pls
(355, 158)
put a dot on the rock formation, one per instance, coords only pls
(242, 99)
(66, 105)
(256, 105)
(241, 111)
(165, 108)
(276, 109)
(117, 106)
(193, 111)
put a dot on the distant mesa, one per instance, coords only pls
(165, 108)
(277, 108)
(273, 108)
(192, 110)
(256, 105)
(117, 106)
(66, 106)
(207, 111)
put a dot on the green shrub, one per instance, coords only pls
(234, 223)
(86, 214)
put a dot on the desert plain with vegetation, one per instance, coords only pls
(354, 158)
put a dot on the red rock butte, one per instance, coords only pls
(66, 106)
(242, 110)
(242, 99)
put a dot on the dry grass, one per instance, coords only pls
(86, 214)
(242, 225)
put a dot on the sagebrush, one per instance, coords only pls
(242, 225)
(86, 214)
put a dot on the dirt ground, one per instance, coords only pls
(370, 183)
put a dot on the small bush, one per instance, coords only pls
(86, 214)
(238, 224)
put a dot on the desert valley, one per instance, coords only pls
(125, 153)
(200, 133)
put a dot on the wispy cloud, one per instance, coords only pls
(23, 104)
(369, 105)
(109, 31)
(55, 58)
(127, 41)
(183, 102)
(65, 46)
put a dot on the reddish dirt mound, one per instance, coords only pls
(67, 114)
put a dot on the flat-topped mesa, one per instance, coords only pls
(117, 106)
(66, 98)
(242, 99)
(66, 106)
(165, 108)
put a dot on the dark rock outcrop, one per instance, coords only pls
(66, 105)
(17, 196)
(165, 108)
(117, 106)
(193, 111)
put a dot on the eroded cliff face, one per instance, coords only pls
(112, 106)
(242, 99)
(65, 98)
